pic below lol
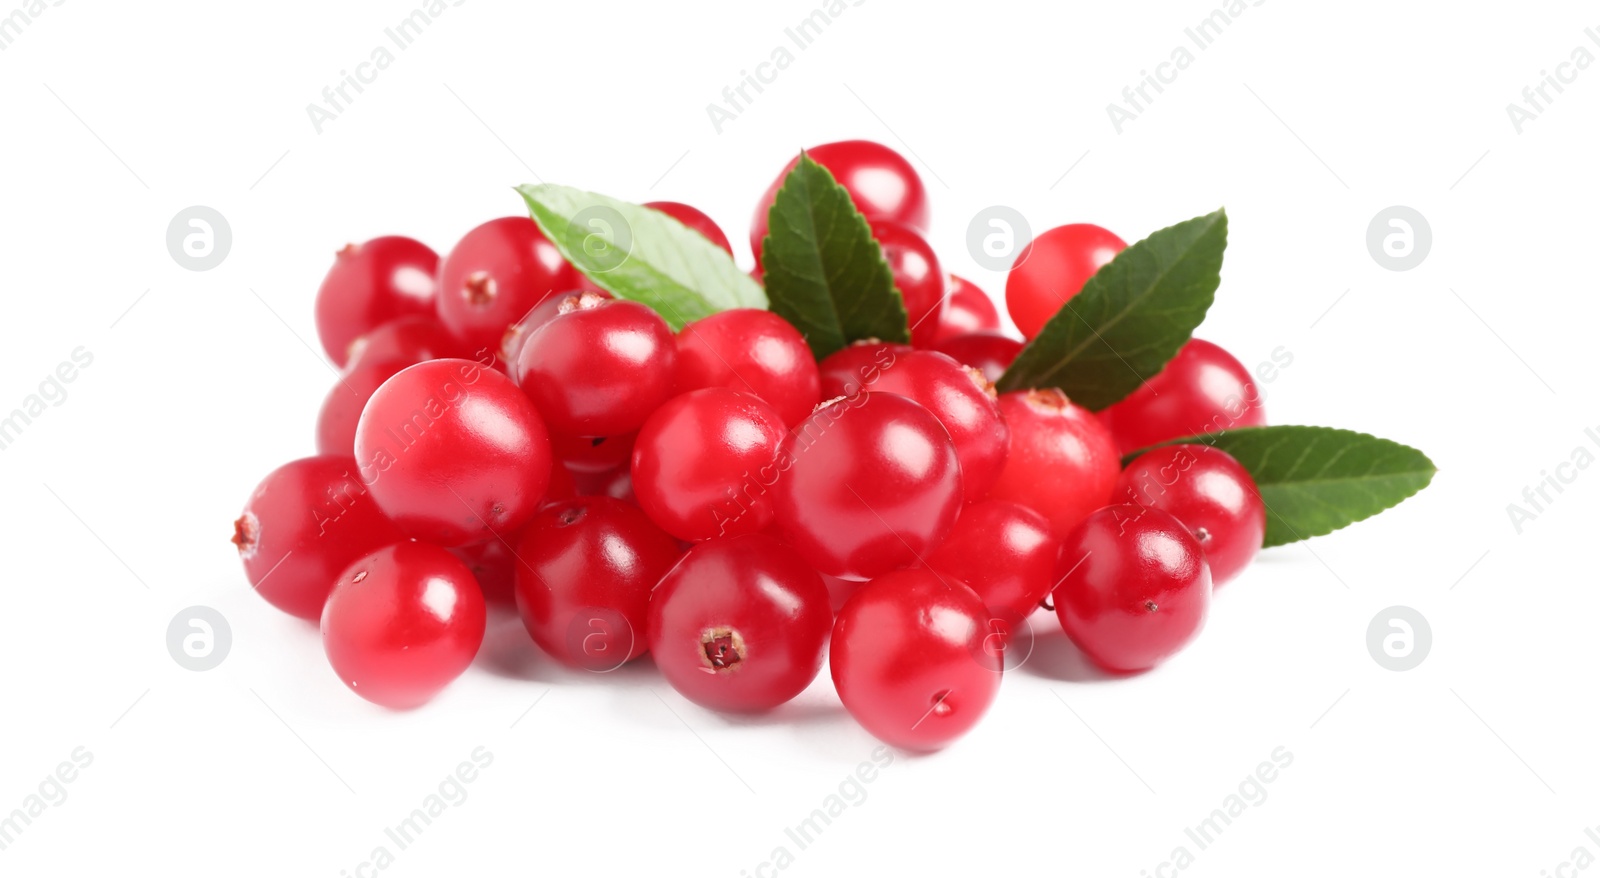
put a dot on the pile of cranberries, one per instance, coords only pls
(504, 431)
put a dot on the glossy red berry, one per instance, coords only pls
(341, 408)
(1201, 390)
(1207, 490)
(917, 275)
(739, 624)
(592, 454)
(494, 567)
(1006, 554)
(967, 309)
(880, 181)
(496, 274)
(909, 661)
(600, 367)
(371, 284)
(695, 219)
(518, 333)
(989, 352)
(402, 623)
(1052, 268)
(962, 400)
(583, 584)
(454, 452)
(1133, 587)
(412, 339)
(704, 462)
(853, 369)
(867, 485)
(751, 351)
(1062, 461)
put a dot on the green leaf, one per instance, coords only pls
(641, 254)
(824, 271)
(1129, 319)
(1315, 480)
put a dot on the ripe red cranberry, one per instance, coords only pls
(1052, 268)
(967, 309)
(402, 623)
(752, 351)
(413, 339)
(371, 284)
(989, 352)
(1004, 552)
(600, 367)
(867, 485)
(1133, 589)
(494, 276)
(1207, 490)
(493, 567)
(518, 333)
(1062, 462)
(341, 408)
(616, 484)
(304, 523)
(909, 661)
(739, 624)
(917, 276)
(583, 587)
(853, 369)
(695, 219)
(883, 185)
(453, 452)
(1201, 390)
(962, 400)
(592, 454)
(703, 462)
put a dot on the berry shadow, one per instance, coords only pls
(1054, 657)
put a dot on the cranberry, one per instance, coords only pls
(616, 484)
(962, 400)
(917, 276)
(752, 351)
(909, 661)
(967, 309)
(1062, 462)
(989, 352)
(583, 587)
(592, 454)
(517, 334)
(341, 408)
(1207, 490)
(1004, 552)
(1134, 587)
(739, 624)
(412, 339)
(866, 485)
(695, 219)
(494, 276)
(702, 464)
(453, 452)
(493, 567)
(371, 284)
(880, 181)
(600, 367)
(850, 370)
(402, 623)
(1052, 268)
(1201, 390)
(304, 523)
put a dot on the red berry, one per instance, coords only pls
(989, 352)
(752, 351)
(962, 400)
(518, 333)
(1207, 490)
(493, 567)
(1005, 553)
(967, 309)
(1134, 587)
(454, 452)
(852, 369)
(494, 276)
(703, 462)
(402, 623)
(616, 484)
(371, 284)
(917, 276)
(1052, 268)
(867, 485)
(600, 367)
(880, 181)
(412, 339)
(1062, 462)
(1201, 390)
(909, 661)
(304, 523)
(583, 587)
(341, 408)
(695, 219)
(739, 624)
(592, 454)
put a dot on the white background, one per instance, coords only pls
(1303, 119)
